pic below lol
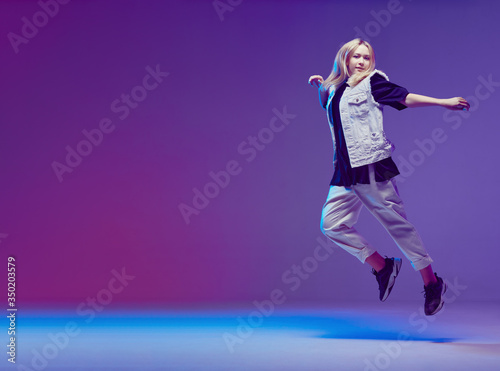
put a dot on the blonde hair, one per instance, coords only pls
(340, 71)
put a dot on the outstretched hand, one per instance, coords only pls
(316, 80)
(456, 104)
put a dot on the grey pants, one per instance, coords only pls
(341, 212)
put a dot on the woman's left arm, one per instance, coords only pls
(416, 100)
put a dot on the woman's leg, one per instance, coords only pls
(428, 275)
(383, 201)
(376, 261)
(340, 213)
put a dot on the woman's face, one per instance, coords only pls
(360, 60)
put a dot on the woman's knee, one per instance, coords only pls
(331, 225)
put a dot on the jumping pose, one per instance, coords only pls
(354, 96)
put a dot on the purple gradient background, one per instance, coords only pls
(119, 208)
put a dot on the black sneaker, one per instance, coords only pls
(434, 296)
(387, 276)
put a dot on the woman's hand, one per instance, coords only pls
(456, 104)
(316, 80)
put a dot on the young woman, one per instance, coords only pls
(354, 96)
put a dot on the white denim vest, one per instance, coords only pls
(362, 122)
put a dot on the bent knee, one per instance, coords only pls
(331, 225)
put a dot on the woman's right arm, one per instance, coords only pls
(317, 81)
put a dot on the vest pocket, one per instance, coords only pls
(358, 104)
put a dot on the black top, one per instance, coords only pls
(384, 92)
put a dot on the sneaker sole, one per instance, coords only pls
(395, 271)
(440, 306)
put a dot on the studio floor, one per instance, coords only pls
(374, 336)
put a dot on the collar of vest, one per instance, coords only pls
(365, 83)
(379, 72)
